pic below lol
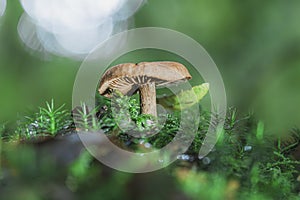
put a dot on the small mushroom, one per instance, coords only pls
(129, 77)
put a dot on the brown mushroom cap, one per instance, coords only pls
(126, 78)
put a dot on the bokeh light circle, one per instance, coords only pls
(71, 28)
(2, 7)
(58, 15)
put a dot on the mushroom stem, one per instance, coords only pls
(148, 99)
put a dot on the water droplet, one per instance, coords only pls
(247, 148)
(31, 133)
(206, 160)
(35, 123)
(147, 145)
(141, 141)
(183, 157)
(32, 128)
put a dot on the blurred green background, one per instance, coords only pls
(255, 44)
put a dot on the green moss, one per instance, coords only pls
(246, 163)
(48, 121)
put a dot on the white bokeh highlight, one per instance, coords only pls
(28, 33)
(58, 15)
(2, 7)
(72, 28)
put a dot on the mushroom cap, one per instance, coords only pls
(127, 77)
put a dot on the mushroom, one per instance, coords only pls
(127, 78)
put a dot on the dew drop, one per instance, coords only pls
(141, 141)
(247, 148)
(206, 160)
(183, 157)
(147, 145)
